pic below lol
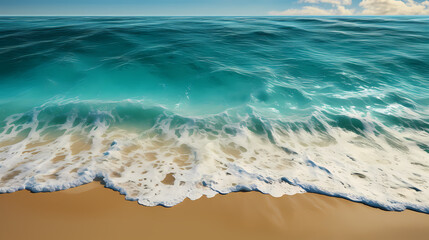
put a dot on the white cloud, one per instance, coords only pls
(394, 7)
(307, 10)
(337, 9)
(341, 10)
(369, 7)
(333, 2)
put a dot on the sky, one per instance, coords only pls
(212, 7)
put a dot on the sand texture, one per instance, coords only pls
(94, 212)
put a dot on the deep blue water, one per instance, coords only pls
(218, 104)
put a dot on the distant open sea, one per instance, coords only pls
(167, 108)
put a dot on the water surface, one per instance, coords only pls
(165, 108)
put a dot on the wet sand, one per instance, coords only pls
(94, 212)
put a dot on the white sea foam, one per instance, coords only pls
(169, 161)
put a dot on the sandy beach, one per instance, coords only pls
(94, 212)
(171, 100)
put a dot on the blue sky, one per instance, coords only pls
(214, 7)
(145, 7)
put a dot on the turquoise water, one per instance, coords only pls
(164, 108)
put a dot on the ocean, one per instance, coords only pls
(167, 108)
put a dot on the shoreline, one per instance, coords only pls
(93, 211)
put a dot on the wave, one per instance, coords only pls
(160, 158)
(167, 108)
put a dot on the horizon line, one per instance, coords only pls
(214, 15)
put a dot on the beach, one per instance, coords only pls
(214, 127)
(92, 211)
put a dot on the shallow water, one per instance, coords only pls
(167, 108)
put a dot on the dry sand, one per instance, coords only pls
(94, 212)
